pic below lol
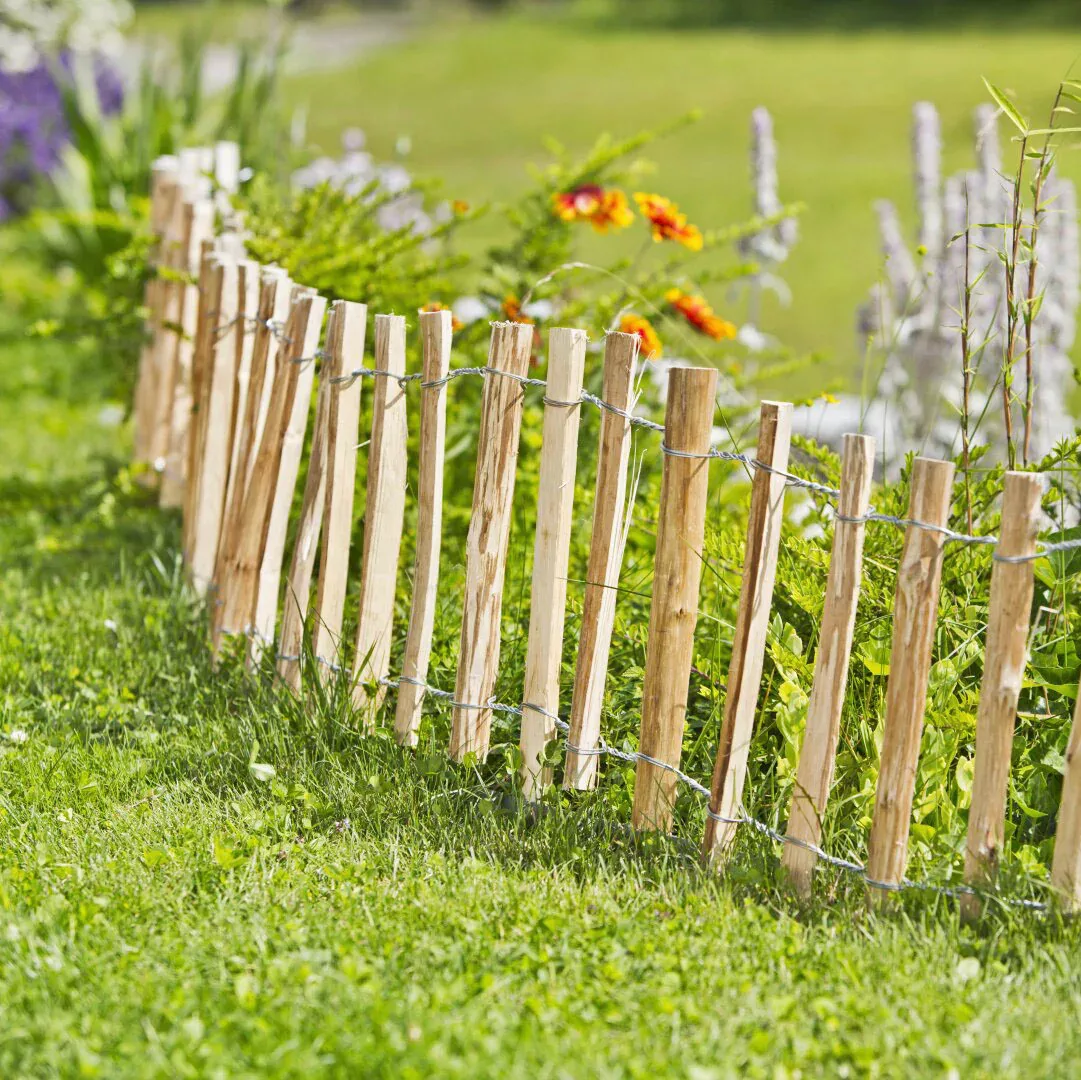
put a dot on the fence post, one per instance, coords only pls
(1005, 656)
(611, 511)
(345, 346)
(239, 572)
(384, 514)
(915, 611)
(673, 610)
(198, 226)
(306, 545)
(436, 329)
(489, 535)
(814, 774)
(214, 467)
(164, 169)
(292, 449)
(1066, 863)
(274, 298)
(551, 551)
(752, 622)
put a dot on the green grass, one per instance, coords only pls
(479, 97)
(164, 912)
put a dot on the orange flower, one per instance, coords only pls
(635, 324)
(700, 315)
(460, 206)
(603, 209)
(666, 222)
(512, 310)
(435, 305)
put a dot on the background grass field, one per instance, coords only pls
(478, 97)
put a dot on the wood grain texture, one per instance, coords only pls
(384, 517)
(200, 367)
(198, 226)
(239, 576)
(1005, 657)
(214, 471)
(551, 551)
(915, 613)
(673, 609)
(489, 534)
(298, 582)
(274, 298)
(752, 621)
(436, 329)
(1066, 863)
(292, 449)
(345, 347)
(610, 512)
(814, 774)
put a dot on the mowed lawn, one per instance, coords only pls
(478, 98)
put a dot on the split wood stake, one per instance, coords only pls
(198, 226)
(605, 560)
(815, 772)
(292, 449)
(551, 551)
(345, 347)
(163, 169)
(1005, 657)
(239, 577)
(214, 472)
(306, 546)
(274, 298)
(384, 517)
(673, 610)
(1066, 862)
(915, 611)
(200, 365)
(174, 244)
(436, 328)
(752, 621)
(489, 535)
(248, 290)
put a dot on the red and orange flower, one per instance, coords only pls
(666, 222)
(700, 315)
(603, 208)
(511, 309)
(650, 342)
(434, 305)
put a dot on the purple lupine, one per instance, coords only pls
(33, 127)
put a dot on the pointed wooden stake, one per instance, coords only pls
(436, 329)
(815, 772)
(551, 550)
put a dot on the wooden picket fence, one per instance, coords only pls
(221, 411)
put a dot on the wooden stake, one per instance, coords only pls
(605, 560)
(306, 546)
(489, 535)
(673, 610)
(384, 516)
(275, 291)
(752, 621)
(292, 449)
(915, 612)
(1005, 657)
(214, 472)
(1066, 863)
(551, 551)
(436, 328)
(815, 772)
(198, 226)
(239, 579)
(345, 345)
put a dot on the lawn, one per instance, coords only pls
(166, 910)
(479, 97)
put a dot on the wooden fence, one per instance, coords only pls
(221, 411)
